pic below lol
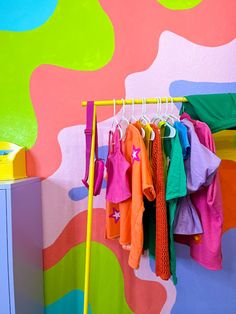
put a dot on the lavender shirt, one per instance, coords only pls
(202, 163)
(200, 168)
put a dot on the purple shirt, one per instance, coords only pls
(202, 164)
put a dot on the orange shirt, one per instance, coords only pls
(126, 218)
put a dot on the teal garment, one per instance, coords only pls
(218, 111)
(176, 187)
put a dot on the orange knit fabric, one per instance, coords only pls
(162, 246)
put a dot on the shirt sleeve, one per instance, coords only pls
(201, 165)
(146, 174)
(176, 177)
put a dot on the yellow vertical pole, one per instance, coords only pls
(89, 218)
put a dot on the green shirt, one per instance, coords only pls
(176, 186)
(216, 110)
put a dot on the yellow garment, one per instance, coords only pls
(147, 139)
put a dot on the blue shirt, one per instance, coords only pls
(183, 136)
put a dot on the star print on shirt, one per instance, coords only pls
(115, 215)
(135, 153)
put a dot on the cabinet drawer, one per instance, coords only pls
(4, 274)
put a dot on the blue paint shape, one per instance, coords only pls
(152, 263)
(81, 192)
(102, 152)
(205, 291)
(77, 194)
(71, 303)
(24, 15)
(184, 88)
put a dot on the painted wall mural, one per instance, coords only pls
(56, 54)
(179, 5)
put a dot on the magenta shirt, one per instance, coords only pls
(208, 203)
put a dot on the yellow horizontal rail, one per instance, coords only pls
(136, 101)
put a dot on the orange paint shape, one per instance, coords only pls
(227, 172)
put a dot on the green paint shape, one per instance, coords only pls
(78, 36)
(106, 292)
(179, 4)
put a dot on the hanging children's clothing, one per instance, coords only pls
(208, 203)
(118, 185)
(149, 215)
(183, 136)
(162, 238)
(130, 212)
(208, 108)
(175, 188)
(155, 223)
(186, 218)
(160, 186)
(202, 163)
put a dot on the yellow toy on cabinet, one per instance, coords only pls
(12, 161)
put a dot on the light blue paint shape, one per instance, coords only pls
(81, 192)
(152, 263)
(24, 15)
(184, 88)
(102, 152)
(77, 194)
(71, 303)
(205, 291)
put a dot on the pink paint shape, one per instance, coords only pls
(143, 296)
(145, 273)
(155, 80)
(57, 93)
(58, 209)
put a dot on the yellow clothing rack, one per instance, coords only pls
(91, 176)
(136, 101)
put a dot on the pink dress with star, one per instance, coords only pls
(118, 185)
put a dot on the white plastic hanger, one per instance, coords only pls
(157, 117)
(123, 118)
(144, 118)
(124, 122)
(165, 115)
(171, 128)
(171, 115)
(115, 121)
(132, 118)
